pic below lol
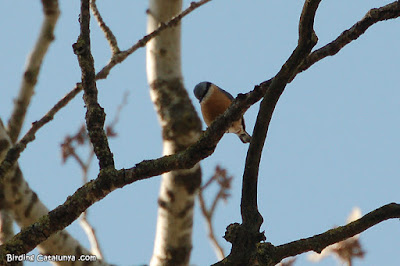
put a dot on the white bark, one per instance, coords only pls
(181, 127)
(26, 208)
(32, 69)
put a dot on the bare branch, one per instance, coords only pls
(373, 16)
(345, 250)
(307, 40)
(95, 115)
(224, 182)
(318, 242)
(248, 231)
(14, 153)
(124, 101)
(119, 57)
(219, 251)
(26, 208)
(46, 36)
(69, 150)
(91, 233)
(107, 181)
(85, 224)
(112, 41)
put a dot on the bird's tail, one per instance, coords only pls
(244, 136)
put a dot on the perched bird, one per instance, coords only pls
(214, 101)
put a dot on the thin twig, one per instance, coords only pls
(224, 185)
(119, 57)
(124, 101)
(91, 233)
(85, 224)
(35, 59)
(112, 41)
(14, 152)
(219, 251)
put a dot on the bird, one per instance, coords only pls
(214, 101)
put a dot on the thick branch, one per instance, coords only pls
(107, 181)
(318, 242)
(95, 115)
(307, 40)
(245, 237)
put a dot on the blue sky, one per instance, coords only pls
(333, 141)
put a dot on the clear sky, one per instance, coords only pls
(333, 142)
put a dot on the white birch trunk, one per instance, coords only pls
(180, 128)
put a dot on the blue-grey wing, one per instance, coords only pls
(227, 94)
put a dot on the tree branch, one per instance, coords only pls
(14, 152)
(390, 11)
(224, 183)
(91, 234)
(318, 242)
(245, 237)
(112, 41)
(95, 115)
(26, 208)
(46, 36)
(107, 181)
(121, 56)
(307, 40)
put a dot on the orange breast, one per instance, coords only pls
(214, 105)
